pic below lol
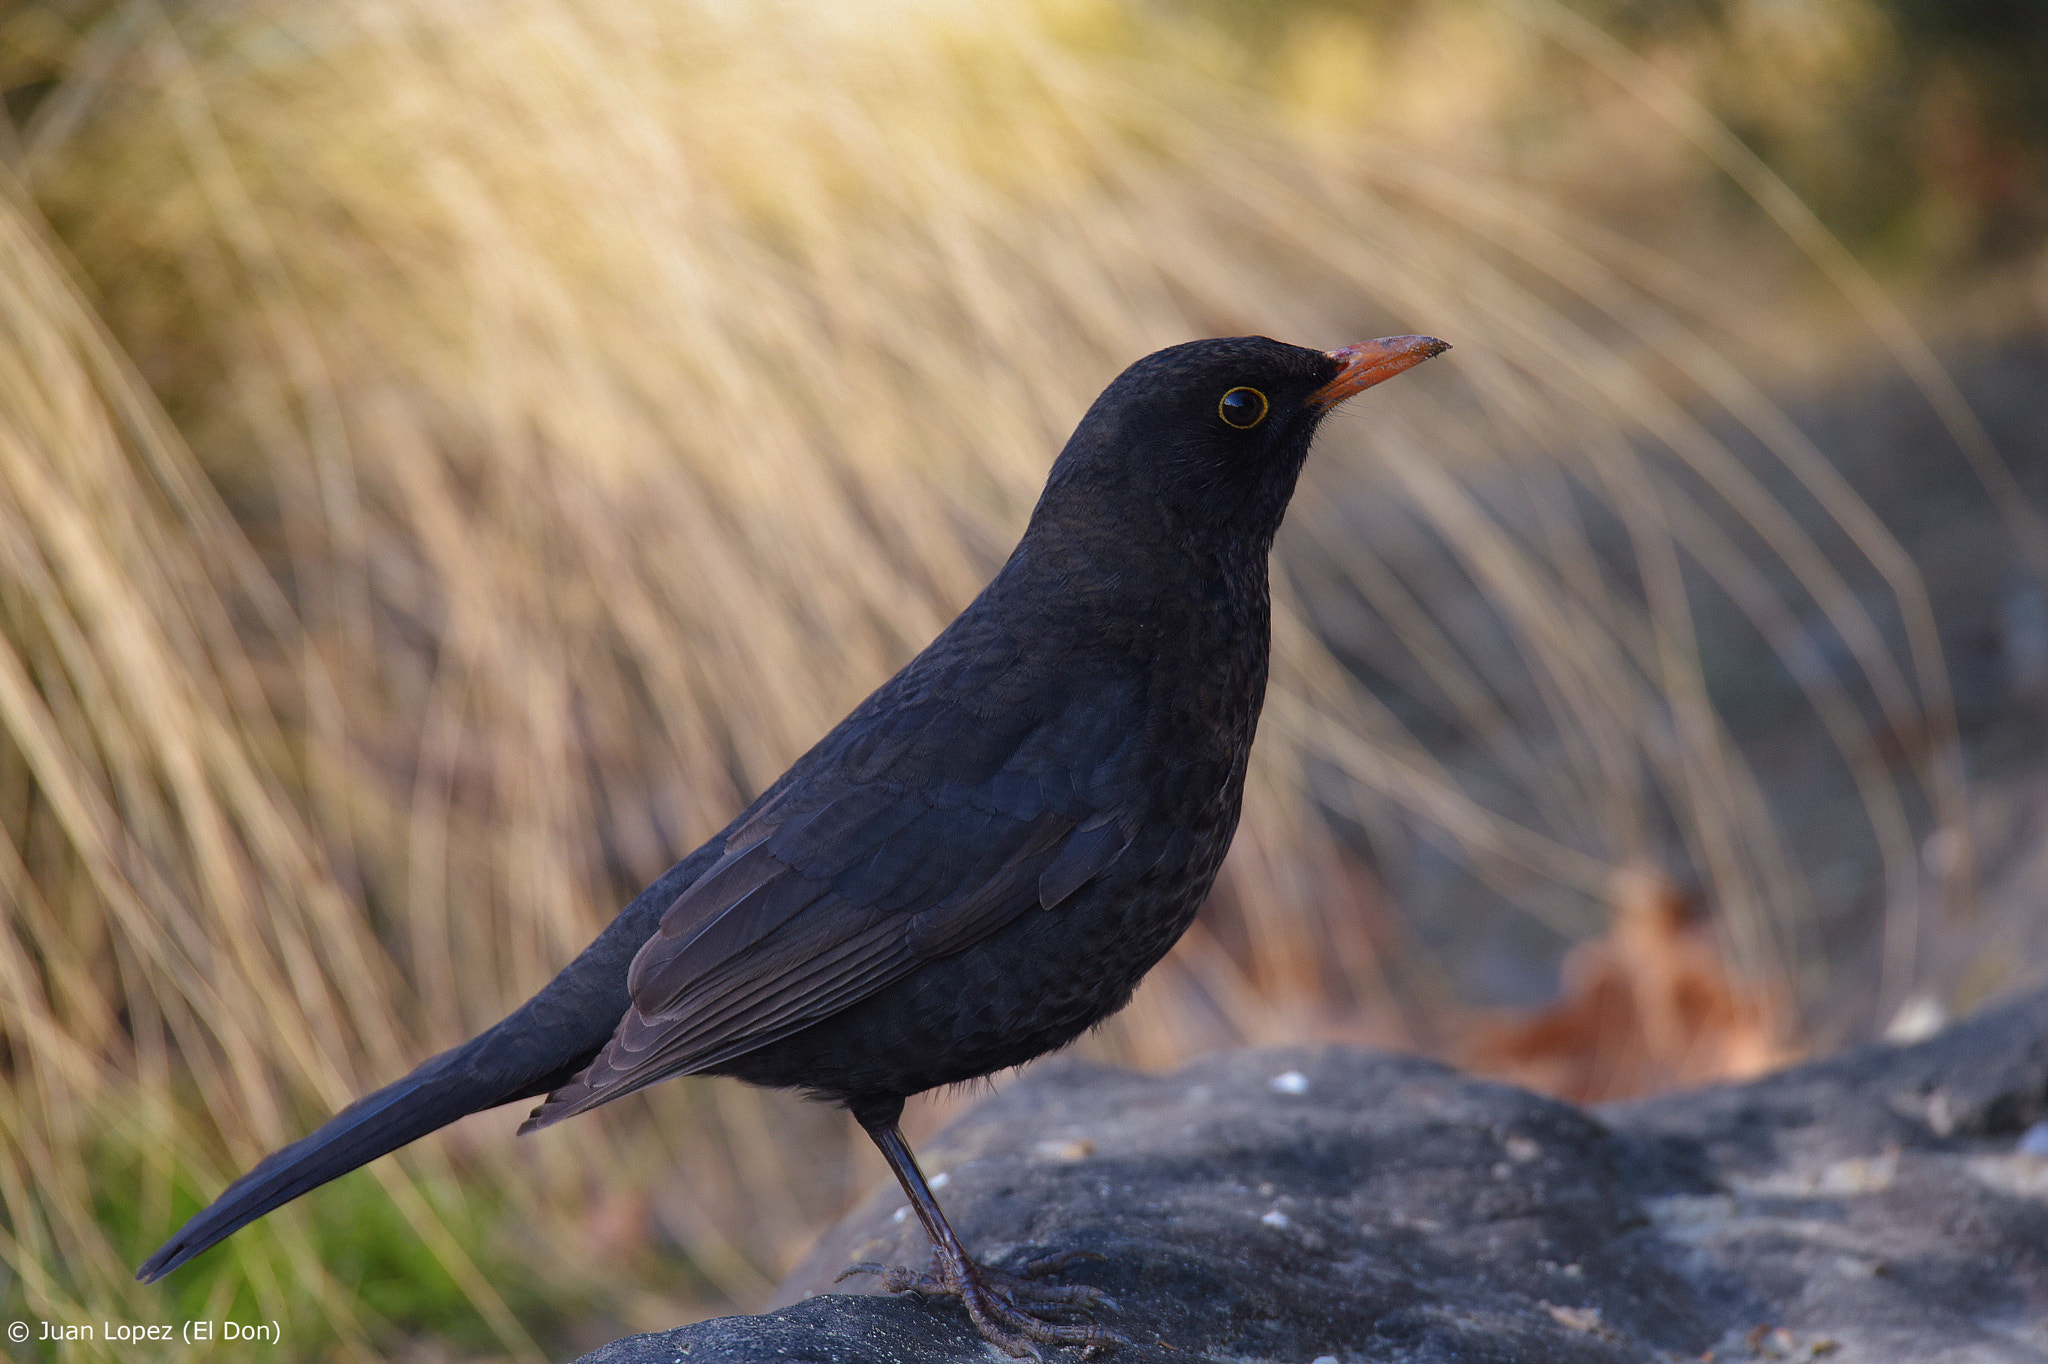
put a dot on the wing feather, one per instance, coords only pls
(826, 895)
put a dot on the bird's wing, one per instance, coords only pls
(818, 903)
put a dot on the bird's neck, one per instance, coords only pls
(1148, 601)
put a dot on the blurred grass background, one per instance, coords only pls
(451, 455)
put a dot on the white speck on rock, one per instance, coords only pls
(1586, 1319)
(1275, 1218)
(900, 1214)
(1324, 1359)
(941, 1180)
(1289, 1082)
(1924, 1015)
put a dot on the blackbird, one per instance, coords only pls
(977, 864)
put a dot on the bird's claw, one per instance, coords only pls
(1010, 1310)
(1059, 1260)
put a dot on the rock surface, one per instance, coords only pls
(1885, 1206)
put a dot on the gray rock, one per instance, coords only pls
(1298, 1203)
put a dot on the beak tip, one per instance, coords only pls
(1415, 349)
(1370, 362)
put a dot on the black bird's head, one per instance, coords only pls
(1203, 442)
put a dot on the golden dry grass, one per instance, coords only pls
(574, 407)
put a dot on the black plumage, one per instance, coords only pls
(979, 862)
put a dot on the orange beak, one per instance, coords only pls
(1368, 362)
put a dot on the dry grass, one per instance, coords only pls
(575, 407)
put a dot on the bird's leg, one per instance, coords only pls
(1009, 1310)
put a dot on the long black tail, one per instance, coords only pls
(539, 1047)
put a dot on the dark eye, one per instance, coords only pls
(1242, 408)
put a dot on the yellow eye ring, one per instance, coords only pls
(1242, 408)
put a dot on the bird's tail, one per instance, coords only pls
(540, 1046)
(436, 1094)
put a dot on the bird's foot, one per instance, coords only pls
(1011, 1310)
